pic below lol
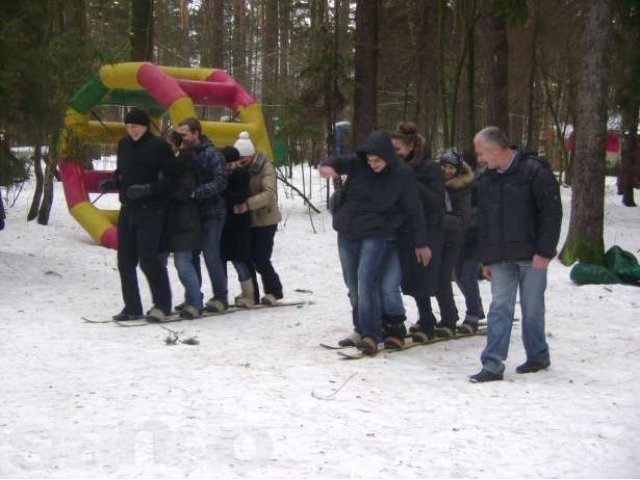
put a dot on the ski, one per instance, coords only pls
(175, 317)
(357, 355)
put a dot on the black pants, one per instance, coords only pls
(261, 250)
(140, 229)
(448, 310)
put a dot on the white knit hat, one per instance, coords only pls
(245, 145)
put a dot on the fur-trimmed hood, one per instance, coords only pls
(462, 179)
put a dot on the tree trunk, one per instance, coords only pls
(585, 239)
(425, 68)
(141, 30)
(533, 114)
(213, 34)
(628, 156)
(365, 70)
(270, 56)
(496, 67)
(239, 45)
(39, 186)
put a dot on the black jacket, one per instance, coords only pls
(149, 160)
(183, 227)
(377, 204)
(519, 211)
(459, 191)
(235, 243)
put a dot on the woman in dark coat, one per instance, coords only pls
(419, 281)
(235, 244)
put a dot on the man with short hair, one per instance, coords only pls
(212, 206)
(144, 177)
(519, 219)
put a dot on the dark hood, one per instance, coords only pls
(379, 143)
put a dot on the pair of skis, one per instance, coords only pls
(351, 353)
(175, 317)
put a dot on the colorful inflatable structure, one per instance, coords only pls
(157, 90)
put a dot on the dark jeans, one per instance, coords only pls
(261, 250)
(139, 236)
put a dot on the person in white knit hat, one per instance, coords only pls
(262, 203)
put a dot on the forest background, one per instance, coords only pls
(538, 69)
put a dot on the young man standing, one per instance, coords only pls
(519, 218)
(144, 176)
(212, 206)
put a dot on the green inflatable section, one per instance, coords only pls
(621, 267)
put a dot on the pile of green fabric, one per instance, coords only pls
(621, 267)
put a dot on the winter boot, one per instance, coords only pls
(215, 306)
(246, 299)
(269, 299)
(468, 328)
(189, 312)
(445, 331)
(350, 341)
(157, 315)
(393, 330)
(123, 316)
(368, 346)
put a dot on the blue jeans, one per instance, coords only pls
(361, 262)
(189, 278)
(242, 269)
(506, 278)
(211, 234)
(390, 291)
(467, 279)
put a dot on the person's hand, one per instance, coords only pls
(241, 208)
(326, 171)
(106, 186)
(1, 223)
(423, 255)
(539, 262)
(486, 272)
(135, 192)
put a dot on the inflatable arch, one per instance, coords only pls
(158, 90)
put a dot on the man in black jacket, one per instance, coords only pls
(519, 219)
(144, 175)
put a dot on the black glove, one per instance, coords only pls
(1, 223)
(134, 192)
(106, 186)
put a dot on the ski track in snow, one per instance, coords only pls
(95, 400)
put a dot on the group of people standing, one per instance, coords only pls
(407, 224)
(181, 194)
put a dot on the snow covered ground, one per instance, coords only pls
(259, 398)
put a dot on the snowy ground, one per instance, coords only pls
(83, 400)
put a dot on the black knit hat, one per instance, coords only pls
(453, 157)
(137, 117)
(231, 154)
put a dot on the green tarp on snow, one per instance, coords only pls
(622, 267)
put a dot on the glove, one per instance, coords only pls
(1, 223)
(106, 186)
(135, 192)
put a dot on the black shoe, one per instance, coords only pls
(180, 306)
(123, 316)
(445, 331)
(467, 328)
(532, 367)
(422, 337)
(485, 376)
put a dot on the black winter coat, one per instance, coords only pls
(376, 204)
(236, 235)
(149, 160)
(183, 226)
(519, 211)
(418, 280)
(459, 191)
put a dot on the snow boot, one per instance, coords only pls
(215, 306)
(246, 299)
(350, 341)
(124, 316)
(445, 331)
(269, 299)
(189, 312)
(157, 315)
(468, 328)
(368, 346)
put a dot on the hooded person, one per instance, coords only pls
(381, 195)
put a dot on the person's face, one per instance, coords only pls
(401, 148)
(244, 162)
(487, 153)
(376, 163)
(189, 138)
(448, 170)
(230, 166)
(136, 131)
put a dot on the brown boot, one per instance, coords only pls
(246, 299)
